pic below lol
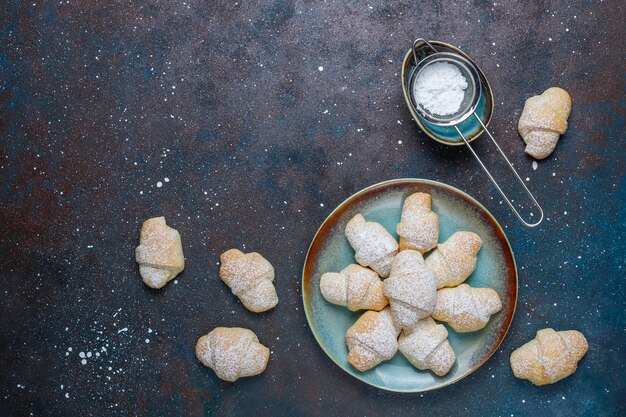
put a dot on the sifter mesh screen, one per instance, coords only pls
(471, 96)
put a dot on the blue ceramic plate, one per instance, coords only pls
(330, 251)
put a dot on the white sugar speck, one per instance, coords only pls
(89, 354)
(84, 361)
(81, 354)
(159, 184)
(321, 68)
(67, 395)
(166, 179)
(147, 340)
(321, 204)
(399, 142)
(535, 165)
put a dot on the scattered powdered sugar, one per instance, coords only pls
(440, 88)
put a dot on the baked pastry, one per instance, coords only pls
(160, 253)
(410, 288)
(355, 287)
(372, 244)
(232, 353)
(455, 259)
(466, 309)
(549, 357)
(372, 339)
(419, 225)
(426, 346)
(543, 120)
(250, 277)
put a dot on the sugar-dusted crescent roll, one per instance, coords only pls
(410, 288)
(232, 353)
(544, 120)
(372, 339)
(419, 225)
(160, 253)
(455, 259)
(426, 346)
(250, 277)
(372, 244)
(466, 309)
(355, 287)
(549, 357)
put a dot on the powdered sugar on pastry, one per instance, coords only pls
(372, 339)
(419, 225)
(466, 309)
(232, 353)
(544, 120)
(250, 277)
(160, 253)
(410, 288)
(372, 243)
(426, 346)
(455, 259)
(355, 287)
(550, 356)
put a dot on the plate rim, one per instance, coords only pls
(381, 184)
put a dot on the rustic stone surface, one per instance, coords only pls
(244, 125)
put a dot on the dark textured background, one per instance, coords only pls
(264, 118)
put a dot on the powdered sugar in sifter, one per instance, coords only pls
(473, 115)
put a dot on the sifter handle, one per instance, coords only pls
(493, 179)
(418, 42)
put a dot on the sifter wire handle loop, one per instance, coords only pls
(493, 179)
(416, 43)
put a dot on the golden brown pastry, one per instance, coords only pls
(466, 309)
(372, 339)
(426, 346)
(372, 244)
(250, 277)
(419, 225)
(232, 353)
(355, 287)
(160, 253)
(455, 259)
(549, 357)
(543, 120)
(410, 288)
